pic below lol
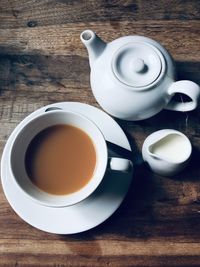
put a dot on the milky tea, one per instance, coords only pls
(61, 159)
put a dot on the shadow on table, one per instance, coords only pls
(140, 216)
(188, 71)
(192, 171)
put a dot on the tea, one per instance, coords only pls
(61, 159)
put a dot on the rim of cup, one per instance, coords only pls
(25, 135)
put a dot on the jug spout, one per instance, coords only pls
(93, 43)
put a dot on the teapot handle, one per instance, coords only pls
(188, 88)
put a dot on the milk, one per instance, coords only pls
(173, 148)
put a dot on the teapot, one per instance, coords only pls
(133, 77)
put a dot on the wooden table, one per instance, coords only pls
(42, 61)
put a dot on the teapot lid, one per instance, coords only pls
(138, 64)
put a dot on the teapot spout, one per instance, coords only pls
(93, 43)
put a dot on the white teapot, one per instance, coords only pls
(133, 77)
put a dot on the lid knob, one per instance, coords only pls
(138, 65)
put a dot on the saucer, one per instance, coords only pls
(91, 211)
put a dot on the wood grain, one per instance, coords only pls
(64, 39)
(15, 14)
(42, 61)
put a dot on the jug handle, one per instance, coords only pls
(188, 88)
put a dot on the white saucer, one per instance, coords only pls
(86, 214)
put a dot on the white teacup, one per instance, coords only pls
(55, 117)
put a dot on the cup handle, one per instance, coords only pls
(188, 88)
(119, 164)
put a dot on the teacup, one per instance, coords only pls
(51, 118)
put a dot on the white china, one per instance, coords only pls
(133, 77)
(50, 118)
(167, 151)
(88, 213)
